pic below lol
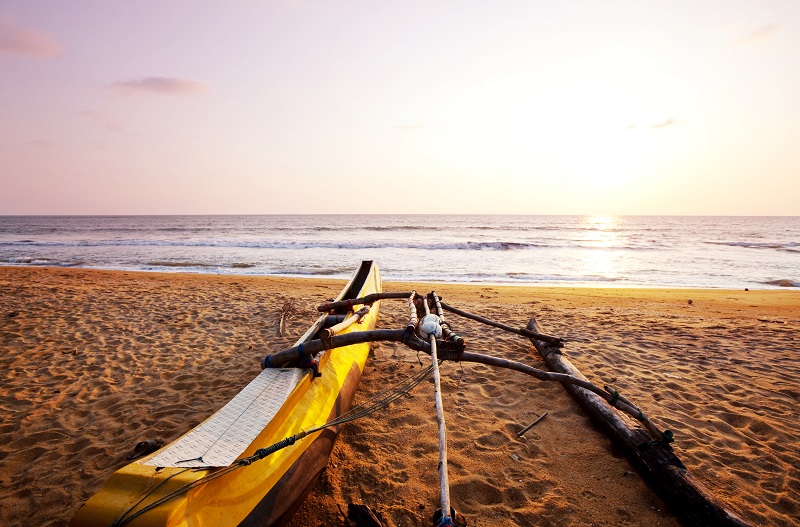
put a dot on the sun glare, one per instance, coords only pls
(602, 230)
(601, 233)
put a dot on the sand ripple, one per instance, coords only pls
(93, 362)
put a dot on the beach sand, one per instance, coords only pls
(95, 361)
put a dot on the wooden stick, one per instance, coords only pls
(447, 333)
(287, 310)
(453, 353)
(413, 319)
(523, 332)
(444, 484)
(563, 378)
(369, 299)
(327, 333)
(522, 432)
(657, 462)
(332, 320)
(312, 347)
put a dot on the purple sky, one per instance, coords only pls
(260, 106)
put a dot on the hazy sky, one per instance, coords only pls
(311, 106)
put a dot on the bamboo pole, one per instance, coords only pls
(369, 299)
(312, 347)
(559, 342)
(453, 353)
(447, 331)
(444, 484)
(332, 320)
(413, 319)
(654, 458)
(327, 333)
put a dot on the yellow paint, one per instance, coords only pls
(227, 500)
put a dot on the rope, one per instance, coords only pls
(120, 520)
(667, 437)
(379, 401)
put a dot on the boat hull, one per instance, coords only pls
(269, 491)
(283, 500)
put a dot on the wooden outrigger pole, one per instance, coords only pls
(444, 481)
(647, 447)
(656, 461)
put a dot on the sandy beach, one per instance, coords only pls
(95, 361)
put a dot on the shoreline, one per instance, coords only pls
(325, 278)
(97, 360)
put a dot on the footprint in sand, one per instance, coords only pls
(475, 490)
(491, 441)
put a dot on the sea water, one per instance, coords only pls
(627, 251)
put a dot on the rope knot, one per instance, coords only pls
(667, 437)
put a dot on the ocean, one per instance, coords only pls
(620, 251)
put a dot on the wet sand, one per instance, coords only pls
(95, 361)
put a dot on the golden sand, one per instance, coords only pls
(95, 361)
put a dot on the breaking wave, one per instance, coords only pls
(784, 282)
(791, 247)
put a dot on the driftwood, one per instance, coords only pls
(287, 311)
(689, 499)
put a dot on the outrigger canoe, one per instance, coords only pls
(278, 403)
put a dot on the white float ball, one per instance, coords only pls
(429, 325)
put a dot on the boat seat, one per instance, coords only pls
(221, 439)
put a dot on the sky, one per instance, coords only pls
(308, 106)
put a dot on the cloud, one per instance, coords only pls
(19, 41)
(763, 32)
(159, 85)
(40, 143)
(665, 124)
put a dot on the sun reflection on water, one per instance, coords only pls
(601, 231)
(602, 238)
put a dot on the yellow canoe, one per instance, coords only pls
(277, 404)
